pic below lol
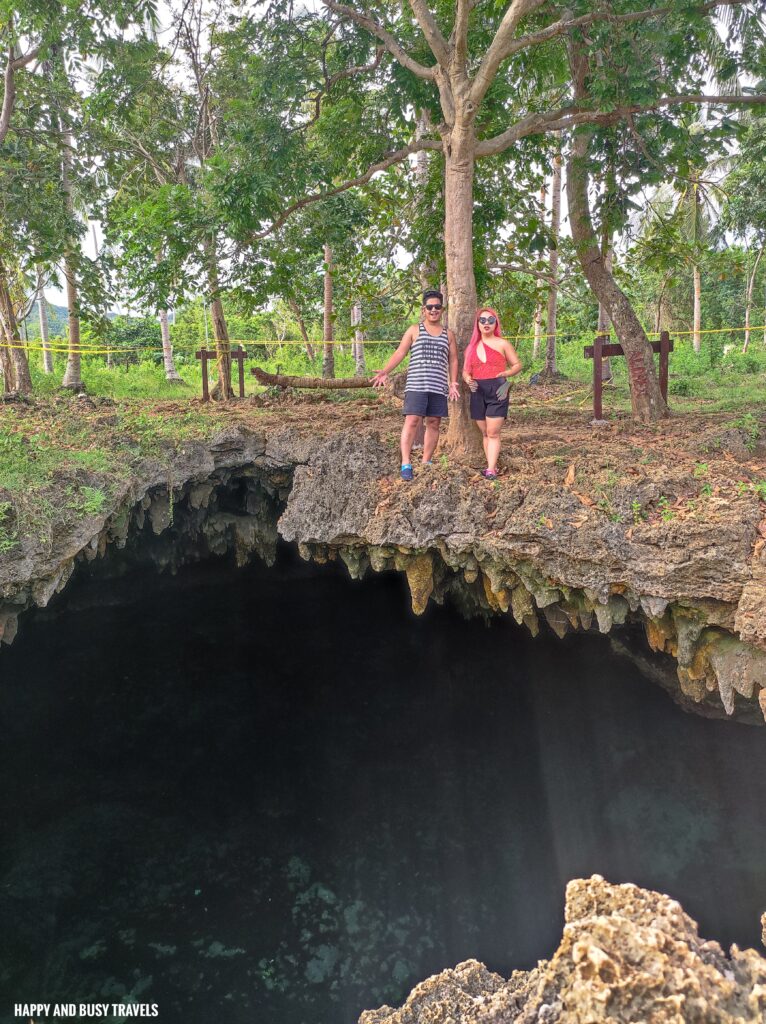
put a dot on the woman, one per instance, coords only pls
(489, 361)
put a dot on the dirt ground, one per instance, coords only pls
(697, 463)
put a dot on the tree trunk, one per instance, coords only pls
(604, 323)
(697, 337)
(462, 435)
(42, 308)
(538, 320)
(72, 374)
(222, 350)
(749, 299)
(360, 363)
(223, 390)
(553, 264)
(171, 373)
(660, 303)
(537, 324)
(94, 236)
(427, 269)
(6, 369)
(284, 380)
(15, 363)
(645, 395)
(296, 311)
(328, 354)
(646, 398)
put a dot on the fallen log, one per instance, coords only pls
(283, 380)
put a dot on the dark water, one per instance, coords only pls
(273, 796)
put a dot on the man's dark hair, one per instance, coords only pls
(432, 293)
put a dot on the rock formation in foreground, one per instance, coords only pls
(627, 955)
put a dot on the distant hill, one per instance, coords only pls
(57, 322)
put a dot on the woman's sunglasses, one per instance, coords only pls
(487, 320)
(434, 308)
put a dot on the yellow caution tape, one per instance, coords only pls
(177, 349)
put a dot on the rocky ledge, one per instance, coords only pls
(542, 552)
(533, 545)
(627, 955)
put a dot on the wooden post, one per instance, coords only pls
(598, 378)
(664, 350)
(202, 354)
(601, 349)
(239, 354)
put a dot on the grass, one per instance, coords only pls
(27, 462)
(7, 529)
(58, 463)
(87, 501)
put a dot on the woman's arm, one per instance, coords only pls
(467, 375)
(514, 363)
(379, 380)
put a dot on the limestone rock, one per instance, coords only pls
(420, 577)
(518, 549)
(750, 621)
(457, 995)
(627, 955)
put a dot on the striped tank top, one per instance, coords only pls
(429, 363)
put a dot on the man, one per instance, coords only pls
(431, 378)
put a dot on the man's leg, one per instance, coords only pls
(494, 426)
(432, 437)
(409, 429)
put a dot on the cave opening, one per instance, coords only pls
(272, 793)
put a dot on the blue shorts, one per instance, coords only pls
(424, 403)
(484, 400)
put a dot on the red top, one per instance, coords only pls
(495, 365)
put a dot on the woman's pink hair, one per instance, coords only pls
(476, 336)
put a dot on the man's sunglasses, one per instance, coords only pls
(487, 320)
(434, 308)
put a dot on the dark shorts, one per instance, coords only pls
(424, 403)
(484, 400)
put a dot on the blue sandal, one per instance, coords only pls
(407, 471)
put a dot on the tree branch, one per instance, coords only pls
(330, 81)
(26, 58)
(504, 46)
(459, 37)
(514, 268)
(394, 157)
(9, 95)
(162, 172)
(499, 48)
(385, 37)
(9, 85)
(558, 28)
(432, 32)
(570, 117)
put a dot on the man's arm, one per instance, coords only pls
(454, 364)
(379, 380)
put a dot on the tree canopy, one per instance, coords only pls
(223, 153)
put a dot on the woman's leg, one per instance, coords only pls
(409, 430)
(494, 425)
(482, 425)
